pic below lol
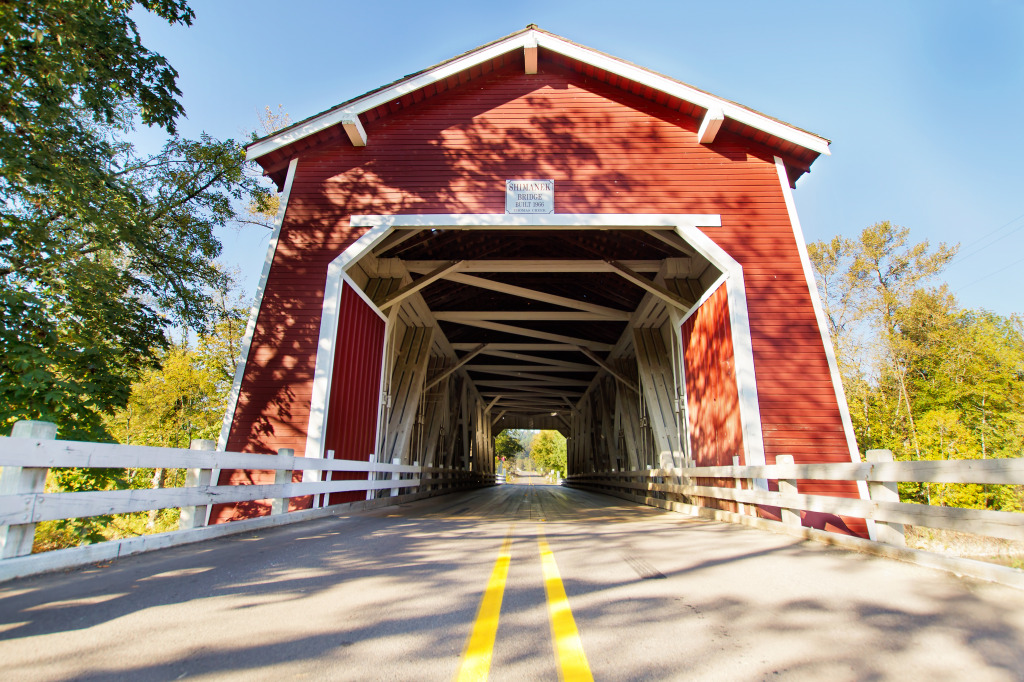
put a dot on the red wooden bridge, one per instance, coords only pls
(531, 235)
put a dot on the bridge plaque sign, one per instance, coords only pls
(529, 196)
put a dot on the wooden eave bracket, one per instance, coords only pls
(354, 129)
(709, 127)
(530, 54)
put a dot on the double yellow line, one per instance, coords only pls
(572, 662)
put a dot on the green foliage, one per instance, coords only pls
(548, 451)
(507, 445)
(102, 250)
(65, 65)
(169, 405)
(923, 377)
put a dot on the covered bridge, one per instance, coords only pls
(535, 234)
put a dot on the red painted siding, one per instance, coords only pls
(716, 430)
(609, 152)
(354, 401)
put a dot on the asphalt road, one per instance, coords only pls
(394, 594)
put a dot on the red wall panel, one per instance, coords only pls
(709, 366)
(353, 405)
(716, 431)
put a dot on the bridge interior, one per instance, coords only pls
(570, 329)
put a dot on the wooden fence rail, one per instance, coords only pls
(24, 503)
(748, 486)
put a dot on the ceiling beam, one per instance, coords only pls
(536, 265)
(399, 237)
(531, 294)
(492, 403)
(649, 286)
(529, 383)
(492, 350)
(525, 370)
(516, 346)
(410, 289)
(667, 237)
(522, 331)
(465, 358)
(534, 391)
(540, 315)
(500, 415)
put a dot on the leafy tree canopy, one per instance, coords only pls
(548, 450)
(923, 377)
(507, 445)
(102, 250)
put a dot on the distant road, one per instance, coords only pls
(425, 590)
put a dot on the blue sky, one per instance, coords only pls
(922, 101)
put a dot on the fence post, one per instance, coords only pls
(740, 506)
(195, 517)
(16, 540)
(282, 476)
(395, 476)
(889, 533)
(787, 487)
(372, 476)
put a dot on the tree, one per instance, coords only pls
(102, 250)
(507, 445)
(182, 398)
(936, 381)
(548, 450)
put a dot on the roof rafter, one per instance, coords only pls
(531, 294)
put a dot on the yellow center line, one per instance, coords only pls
(572, 662)
(476, 661)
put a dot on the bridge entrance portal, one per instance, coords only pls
(622, 332)
(660, 312)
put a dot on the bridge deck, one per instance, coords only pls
(395, 593)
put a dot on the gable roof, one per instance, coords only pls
(799, 147)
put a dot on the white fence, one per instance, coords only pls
(886, 515)
(24, 503)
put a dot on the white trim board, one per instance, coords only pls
(532, 38)
(826, 340)
(742, 345)
(254, 312)
(250, 329)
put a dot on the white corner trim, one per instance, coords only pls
(819, 314)
(364, 244)
(355, 131)
(254, 312)
(531, 40)
(709, 127)
(742, 345)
